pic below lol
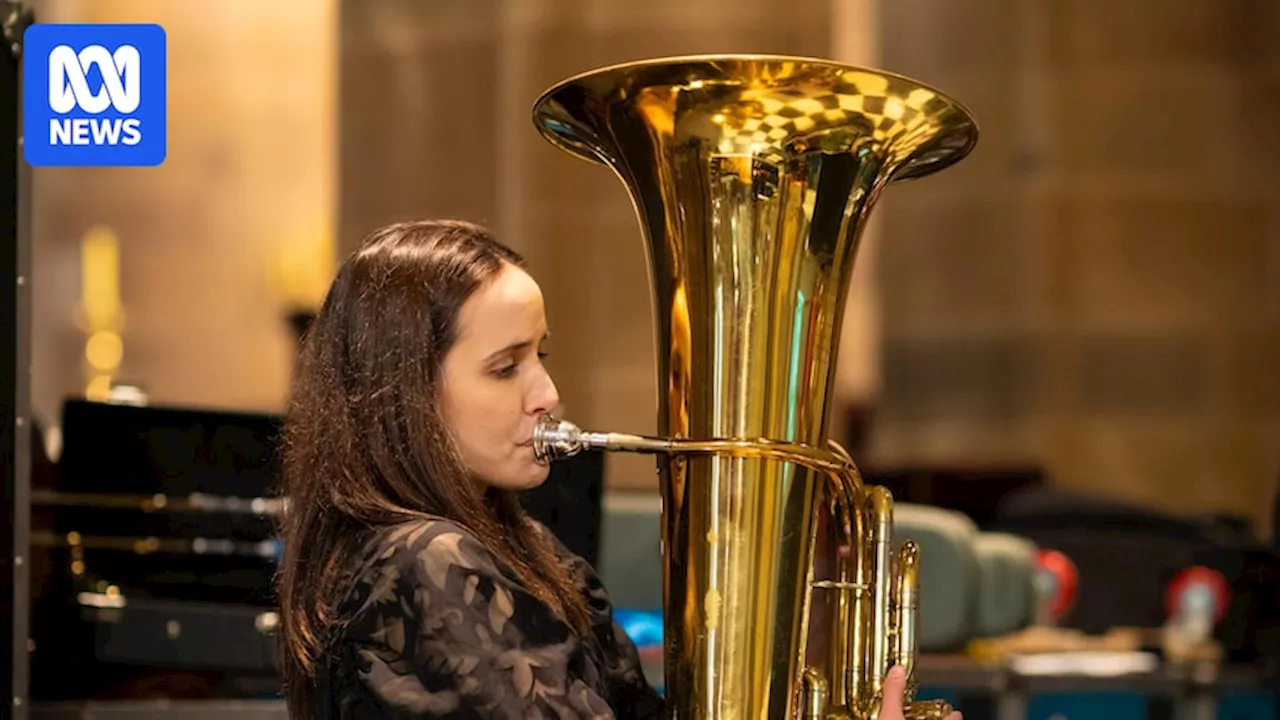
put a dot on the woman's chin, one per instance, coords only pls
(524, 477)
(538, 474)
(529, 477)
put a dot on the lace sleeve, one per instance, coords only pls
(444, 633)
(629, 691)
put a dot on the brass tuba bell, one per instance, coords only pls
(752, 177)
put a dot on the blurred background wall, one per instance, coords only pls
(248, 188)
(1095, 290)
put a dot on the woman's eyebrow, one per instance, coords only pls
(511, 349)
(516, 347)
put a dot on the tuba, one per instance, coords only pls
(752, 177)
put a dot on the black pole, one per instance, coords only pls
(15, 446)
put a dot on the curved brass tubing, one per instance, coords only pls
(875, 596)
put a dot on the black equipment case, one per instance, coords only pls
(155, 552)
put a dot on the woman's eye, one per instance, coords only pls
(505, 372)
(542, 354)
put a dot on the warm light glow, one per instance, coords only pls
(101, 312)
(301, 269)
(104, 351)
(99, 388)
(100, 279)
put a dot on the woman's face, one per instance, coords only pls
(495, 386)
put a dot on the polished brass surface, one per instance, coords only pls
(752, 178)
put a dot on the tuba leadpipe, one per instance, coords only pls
(752, 178)
(555, 439)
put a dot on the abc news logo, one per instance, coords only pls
(95, 95)
(69, 90)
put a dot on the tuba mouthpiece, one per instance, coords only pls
(556, 439)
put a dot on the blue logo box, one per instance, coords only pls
(94, 95)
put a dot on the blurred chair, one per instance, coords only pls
(950, 573)
(631, 550)
(1006, 583)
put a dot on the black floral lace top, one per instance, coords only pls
(440, 631)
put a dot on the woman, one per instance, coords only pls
(413, 585)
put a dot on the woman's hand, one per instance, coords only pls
(895, 693)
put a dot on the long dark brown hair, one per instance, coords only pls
(365, 445)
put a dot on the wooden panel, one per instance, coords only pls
(249, 178)
(1126, 220)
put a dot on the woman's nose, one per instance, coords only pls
(545, 397)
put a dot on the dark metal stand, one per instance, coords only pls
(15, 325)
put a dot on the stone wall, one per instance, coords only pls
(1098, 286)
